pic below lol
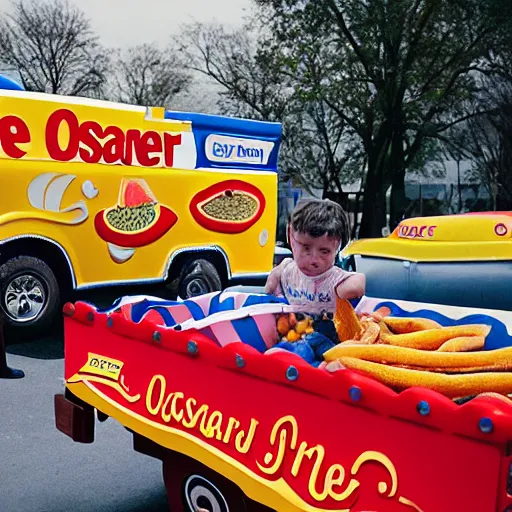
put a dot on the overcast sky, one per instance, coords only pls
(121, 23)
(128, 22)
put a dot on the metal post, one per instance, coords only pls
(5, 371)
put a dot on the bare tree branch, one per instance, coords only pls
(52, 47)
(146, 75)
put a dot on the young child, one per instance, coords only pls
(316, 232)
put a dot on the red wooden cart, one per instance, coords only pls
(239, 430)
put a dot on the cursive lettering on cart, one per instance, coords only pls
(174, 407)
(287, 452)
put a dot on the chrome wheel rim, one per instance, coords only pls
(196, 287)
(201, 494)
(24, 298)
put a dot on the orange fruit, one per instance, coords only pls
(302, 326)
(283, 325)
(293, 335)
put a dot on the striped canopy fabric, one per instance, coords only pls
(225, 317)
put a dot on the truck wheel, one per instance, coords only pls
(194, 487)
(198, 277)
(201, 494)
(29, 294)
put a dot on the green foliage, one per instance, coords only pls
(398, 73)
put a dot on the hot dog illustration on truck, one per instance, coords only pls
(98, 193)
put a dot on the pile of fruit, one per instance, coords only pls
(308, 336)
(406, 352)
(294, 326)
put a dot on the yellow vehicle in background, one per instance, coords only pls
(456, 260)
(95, 193)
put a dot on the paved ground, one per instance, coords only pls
(42, 470)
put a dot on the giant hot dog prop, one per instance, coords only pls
(406, 352)
(452, 386)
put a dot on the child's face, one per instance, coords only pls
(313, 256)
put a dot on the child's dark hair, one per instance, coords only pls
(317, 217)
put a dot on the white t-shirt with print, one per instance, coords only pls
(316, 293)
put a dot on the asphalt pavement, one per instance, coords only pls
(42, 470)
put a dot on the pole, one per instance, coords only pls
(5, 371)
(458, 186)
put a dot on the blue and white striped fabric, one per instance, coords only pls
(225, 317)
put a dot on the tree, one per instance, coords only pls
(487, 142)
(146, 75)
(52, 47)
(316, 147)
(397, 73)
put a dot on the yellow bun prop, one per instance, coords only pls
(455, 369)
(432, 339)
(463, 344)
(452, 386)
(500, 359)
(407, 325)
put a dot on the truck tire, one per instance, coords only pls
(199, 276)
(201, 494)
(191, 486)
(30, 298)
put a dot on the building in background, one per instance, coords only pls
(454, 191)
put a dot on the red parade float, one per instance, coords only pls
(237, 429)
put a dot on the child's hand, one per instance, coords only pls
(273, 285)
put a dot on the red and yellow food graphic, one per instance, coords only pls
(231, 206)
(137, 219)
(406, 352)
